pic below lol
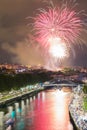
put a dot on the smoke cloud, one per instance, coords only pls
(25, 53)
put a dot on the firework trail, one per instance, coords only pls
(59, 22)
(63, 22)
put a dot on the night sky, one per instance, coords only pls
(15, 34)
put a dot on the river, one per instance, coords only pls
(47, 111)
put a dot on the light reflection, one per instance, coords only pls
(61, 112)
(49, 111)
(23, 107)
(27, 102)
(10, 109)
(38, 95)
(30, 99)
(43, 96)
(34, 97)
(1, 120)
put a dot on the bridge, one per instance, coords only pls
(60, 85)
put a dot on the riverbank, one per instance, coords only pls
(76, 107)
(77, 111)
(17, 95)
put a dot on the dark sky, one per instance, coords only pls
(15, 46)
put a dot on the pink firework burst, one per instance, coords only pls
(62, 22)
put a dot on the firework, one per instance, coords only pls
(63, 22)
(57, 48)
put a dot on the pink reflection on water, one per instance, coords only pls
(52, 113)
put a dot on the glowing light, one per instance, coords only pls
(60, 93)
(57, 48)
(63, 21)
(62, 110)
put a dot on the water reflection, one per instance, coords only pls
(1, 120)
(47, 111)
